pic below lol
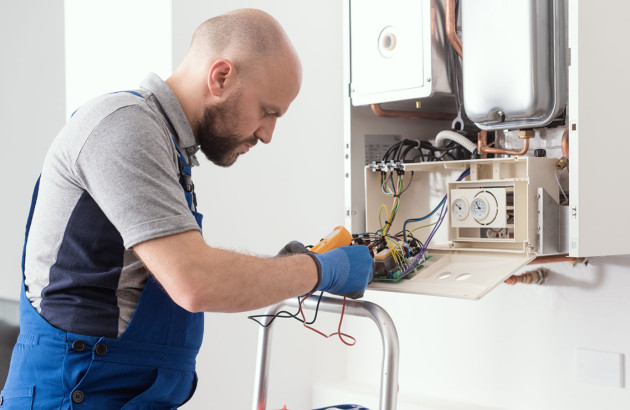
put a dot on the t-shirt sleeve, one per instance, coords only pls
(127, 165)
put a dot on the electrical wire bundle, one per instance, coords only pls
(443, 210)
(395, 190)
(397, 245)
(424, 151)
(406, 250)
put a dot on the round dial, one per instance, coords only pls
(460, 208)
(484, 208)
(479, 208)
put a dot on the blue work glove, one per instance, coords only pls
(344, 271)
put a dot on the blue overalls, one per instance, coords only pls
(150, 366)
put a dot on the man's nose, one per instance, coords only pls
(265, 131)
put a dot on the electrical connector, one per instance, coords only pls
(401, 166)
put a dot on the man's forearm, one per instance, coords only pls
(201, 278)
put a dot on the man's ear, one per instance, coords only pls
(221, 76)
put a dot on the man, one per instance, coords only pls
(114, 263)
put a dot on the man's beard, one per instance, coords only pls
(215, 136)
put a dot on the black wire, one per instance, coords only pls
(421, 157)
(405, 142)
(418, 243)
(446, 154)
(427, 152)
(409, 148)
(448, 147)
(390, 150)
(283, 314)
(395, 151)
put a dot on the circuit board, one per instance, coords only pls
(396, 274)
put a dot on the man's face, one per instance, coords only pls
(247, 115)
(219, 134)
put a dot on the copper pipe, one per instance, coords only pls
(412, 115)
(565, 143)
(556, 258)
(451, 27)
(482, 148)
(564, 161)
(482, 141)
(533, 277)
(487, 150)
(538, 276)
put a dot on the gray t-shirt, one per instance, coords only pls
(110, 180)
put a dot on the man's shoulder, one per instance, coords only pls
(112, 123)
(133, 104)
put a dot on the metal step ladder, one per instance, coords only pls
(382, 320)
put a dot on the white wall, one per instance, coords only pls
(289, 189)
(31, 112)
(112, 45)
(46, 75)
(514, 349)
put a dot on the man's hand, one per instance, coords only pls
(292, 248)
(344, 271)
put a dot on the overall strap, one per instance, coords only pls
(130, 92)
(29, 220)
(185, 179)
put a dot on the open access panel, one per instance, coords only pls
(489, 222)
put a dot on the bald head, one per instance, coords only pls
(239, 76)
(244, 36)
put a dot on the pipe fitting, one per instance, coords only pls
(522, 134)
(562, 163)
(533, 277)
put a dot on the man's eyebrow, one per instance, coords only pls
(277, 111)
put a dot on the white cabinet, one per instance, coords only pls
(599, 141)
(594, 223)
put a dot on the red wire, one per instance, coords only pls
(338, 332)
(342, 335)
(304, 318)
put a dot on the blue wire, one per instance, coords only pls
(462, 176)
(420, 255)
(421, 219)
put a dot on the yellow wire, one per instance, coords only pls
(380, 222)
(398, 251)
(395, 248)
(423, 226)
(392, 249)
